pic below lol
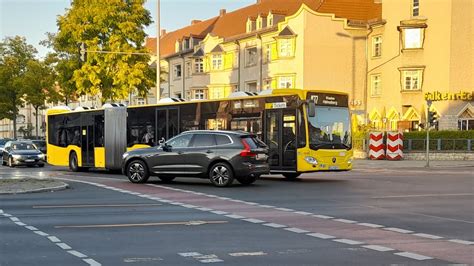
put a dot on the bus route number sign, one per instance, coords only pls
(279, 105)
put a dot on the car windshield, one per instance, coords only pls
(39, 144)
(23, 146)
(330, 128)
(2, 142)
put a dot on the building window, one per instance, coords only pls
(413, 38)
(376, 46)
(188, 69)
(267, 53)
(466, 124)
(412, 80)
(270, 21)
(177, 71)
(140, 101)
(267, 84)
(376, 88)
(251, 87)
(416, 8)
(198, 65)
(199, 94)
(217, 62)
(251, 56)
(286, 47)
(217, 93)
(285, 82)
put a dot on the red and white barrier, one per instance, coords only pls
(376, 146)
(394, 145)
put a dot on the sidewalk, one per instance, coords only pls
(28, 185)
(386, 164)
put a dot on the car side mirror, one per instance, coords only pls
(311, 109)
(166, 147)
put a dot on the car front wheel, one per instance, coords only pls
(137, 172)
(221, 175)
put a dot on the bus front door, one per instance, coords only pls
(280, 136)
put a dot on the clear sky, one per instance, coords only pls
(33, 18)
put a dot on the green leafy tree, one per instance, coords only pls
(15, 54)
(117, 61)
(39, 87)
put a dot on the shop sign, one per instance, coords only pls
(449, 96)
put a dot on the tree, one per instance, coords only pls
(117, 61)
(15, 54)
(38, 83)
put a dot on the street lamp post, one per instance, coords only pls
(158, 91)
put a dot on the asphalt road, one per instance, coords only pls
(369, 216)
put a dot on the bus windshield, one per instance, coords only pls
(330, 128)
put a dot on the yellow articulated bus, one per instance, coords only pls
(305, 130)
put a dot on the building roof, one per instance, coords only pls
(234, 23)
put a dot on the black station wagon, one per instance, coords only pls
(221, 156)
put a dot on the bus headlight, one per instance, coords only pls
(311, 160)
(41, 156)
(124, 155)
(349, 162)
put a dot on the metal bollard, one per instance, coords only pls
(438, 144)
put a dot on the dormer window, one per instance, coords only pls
(250, 25)
(261, 22)
(270, 20)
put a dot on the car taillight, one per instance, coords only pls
(246, 152)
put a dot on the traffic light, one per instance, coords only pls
(82, 52)
(432, 118)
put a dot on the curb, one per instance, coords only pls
(46, 189)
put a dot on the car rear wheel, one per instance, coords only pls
(166, 179)
(73, 162)
(221, 175)
(291, 176)
(247, 180)
(137, 171)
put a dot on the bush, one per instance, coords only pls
(443, 134)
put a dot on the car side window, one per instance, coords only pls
(222, 140)
(180, 141)
(204, 140)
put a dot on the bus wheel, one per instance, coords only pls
(247, 180)
(73, 163)
(291, 176)
(166, 179)
(137, 171)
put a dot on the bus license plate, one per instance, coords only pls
(261, 156)
(29, 160)
(334, 167)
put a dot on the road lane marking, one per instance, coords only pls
(296, 230)
(219, 212)
(32, 228)
(235, 216)
(398, 230)
(135, 225)
(203, 209)
(41, 233)
(303, 213)
(348, 241)
(255, 221)
(378, 248)
(20, 223)
(322, 216)
(345, 221)
(371, 225)
(459, 241)
(322, 236)
(413, 256)
(190, 254)
(274, 225)
(77, 254)
(241, 254)
(97, 205)
(63, 246)
(266, 206)
(54, 239)
(423, 195)
(92, 262)
(284, 209)
(14, 219)
(427, 236)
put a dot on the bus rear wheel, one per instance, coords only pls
(291, 176)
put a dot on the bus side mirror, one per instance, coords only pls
(311, 109)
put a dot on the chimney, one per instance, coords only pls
(194, 21)
(222, 12)
(163, 32)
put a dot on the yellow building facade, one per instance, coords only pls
(389, 56)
